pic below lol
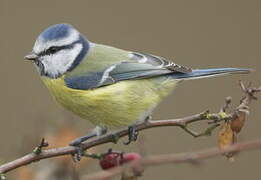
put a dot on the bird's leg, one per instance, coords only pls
(81, 139)
(77, 143)
(132, 134)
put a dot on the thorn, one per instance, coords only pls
(39, 148)
(225, 107)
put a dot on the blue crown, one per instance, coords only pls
(56, 32)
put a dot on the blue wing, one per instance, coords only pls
(139, 66)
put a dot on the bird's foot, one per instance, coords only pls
(77, 156)
(132, 134)
(77, 143)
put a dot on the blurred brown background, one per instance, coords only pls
(199, 34)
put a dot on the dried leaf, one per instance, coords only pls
(226, 137)
(238, 123)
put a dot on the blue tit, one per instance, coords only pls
(107, 86)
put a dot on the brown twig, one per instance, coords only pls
(174, 159)
(225, 107)
(32, 157)
(110, 137)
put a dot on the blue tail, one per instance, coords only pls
(202, 73)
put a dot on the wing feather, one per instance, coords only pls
(138, 66)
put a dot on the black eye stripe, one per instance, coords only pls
(55, 49)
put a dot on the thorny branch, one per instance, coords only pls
(212, 118)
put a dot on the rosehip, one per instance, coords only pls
(110, 160)
(114, 159)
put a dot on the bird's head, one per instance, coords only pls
(58, 49)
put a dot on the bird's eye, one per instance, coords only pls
(53, 50)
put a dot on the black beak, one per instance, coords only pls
(31, 57)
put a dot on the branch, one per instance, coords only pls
(191, 157)
(214, 118)
(110, 137)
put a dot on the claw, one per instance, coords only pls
(77, 156)
(132, 134)
(77, 143)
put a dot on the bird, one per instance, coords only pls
(108, 86)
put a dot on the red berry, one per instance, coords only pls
(110, 160)
(114, 159)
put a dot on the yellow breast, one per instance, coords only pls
(116, 105)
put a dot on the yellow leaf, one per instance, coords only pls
(226, 137)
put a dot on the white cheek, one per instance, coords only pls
(60, 62)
